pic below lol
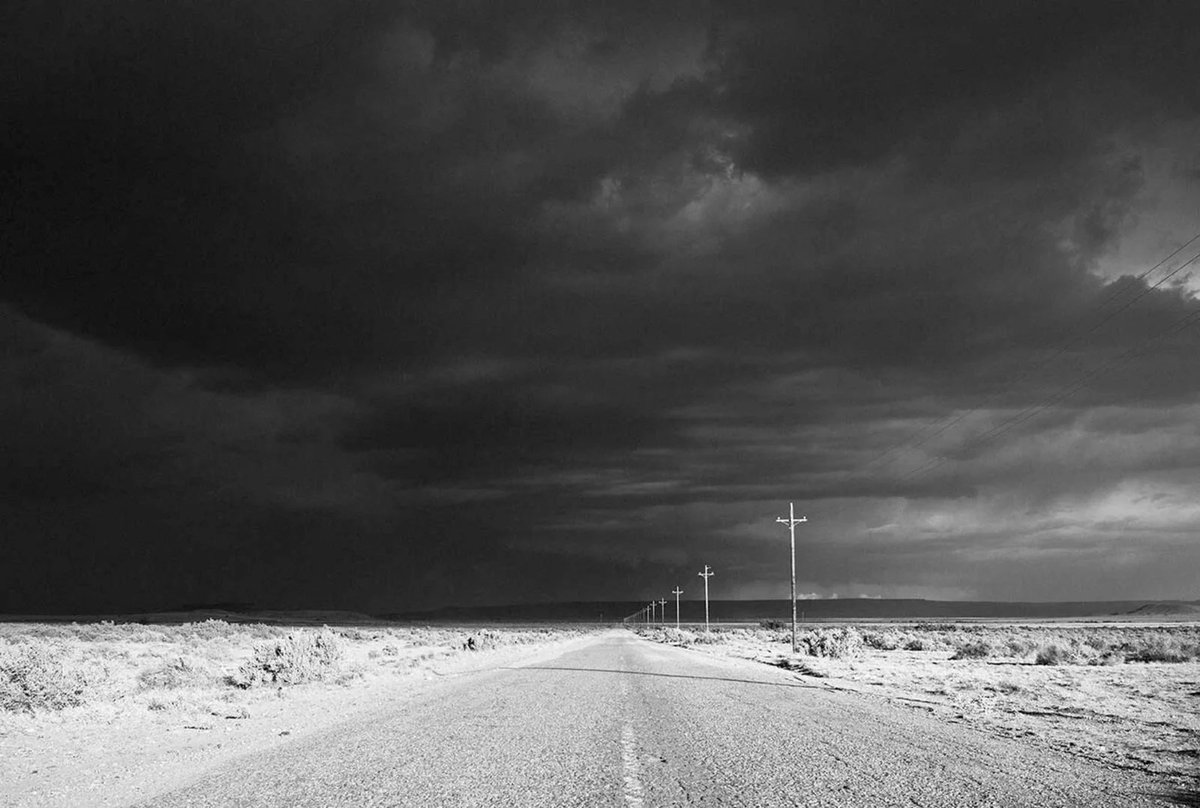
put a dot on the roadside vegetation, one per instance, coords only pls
(47, 667)
(1047, 644)
(1120, 692)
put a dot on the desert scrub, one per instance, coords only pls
(976, 649)
(710, 637)
(1020, 646)
(883, 640)
(1163, 648)
(836, 642)
(182, 671)
(300, 657)
(36, 675)
(1055, 654)
(677, 636)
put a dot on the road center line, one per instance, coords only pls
(633, 768)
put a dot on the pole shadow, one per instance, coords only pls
(667, 676)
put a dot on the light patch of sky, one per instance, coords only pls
(1147, 507)
(643, 488)
(842, 590)
(1166, 210)
(676, 208)
(581, 76)
(726, 204)
(1112, 439)
(1140, 505)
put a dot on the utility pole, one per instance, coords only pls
(677, 592)
(706, 575)
(791, 522)
(662, 613)
(652, 611)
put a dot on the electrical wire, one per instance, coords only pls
(1064, 393)
(1066, 343)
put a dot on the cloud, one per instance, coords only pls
(361, 278)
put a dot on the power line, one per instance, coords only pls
(1065, 392)
(1067, 340)
(1062, 348)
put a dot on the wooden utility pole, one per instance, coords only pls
(662, 614)
(791, 522)
(652, 611)
(677, 592)
(706, 575)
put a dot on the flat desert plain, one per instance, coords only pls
(1123, 693)
(106, 714)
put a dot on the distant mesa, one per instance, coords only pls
(821, 610)
(248, 613)
(224, 606)
(1167, 607)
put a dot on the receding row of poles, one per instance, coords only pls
(656, 612)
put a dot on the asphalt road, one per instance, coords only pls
(623, 722)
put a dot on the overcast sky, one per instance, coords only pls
(397, 305)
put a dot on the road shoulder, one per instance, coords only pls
(110, 755)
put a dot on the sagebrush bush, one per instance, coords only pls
(1055, 654)
(834, 642)
(295, 659)
(1162, 648)
(36, 675)
(1020, 646)
(677, 636)
(883, 640)
(976, 649)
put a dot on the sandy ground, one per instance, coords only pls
(120, 751)
(1142, 716)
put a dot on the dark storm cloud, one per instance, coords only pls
(217, 187)
(825, 85)
(352, 279)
